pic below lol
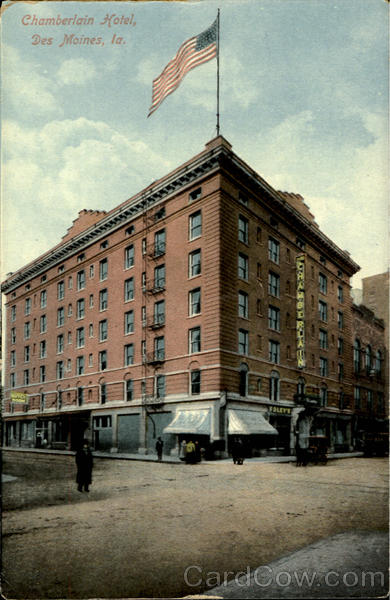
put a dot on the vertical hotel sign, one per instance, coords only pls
(300, 267)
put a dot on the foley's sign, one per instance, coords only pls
(18, 397)
(300, 320)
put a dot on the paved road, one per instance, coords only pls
(144, 524)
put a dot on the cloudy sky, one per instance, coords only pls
(303, 100)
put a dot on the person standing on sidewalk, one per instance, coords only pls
(159, 448)
(84, 462)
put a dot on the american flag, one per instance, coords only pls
(191, 54)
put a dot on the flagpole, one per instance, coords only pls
(218, 74)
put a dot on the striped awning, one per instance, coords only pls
(196, 421)
(248, 422)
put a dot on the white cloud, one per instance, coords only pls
(76, 71)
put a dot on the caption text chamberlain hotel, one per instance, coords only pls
(208, 306)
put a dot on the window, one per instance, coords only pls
(60, 343)
(103, 299)
(323, 395)
(13, 334)
(129, 322)
(368, 357)
(27, 329)
(159, 348)
(12, 380)
(42, 324)
(69, 337)
(90, 330)
(70, 310)
(42, 373)
(356, 356)
(129, 354)
(81, 280)
(243, 198)
(380, 402)
(143, 281)
(13, 358)
(26, 377)
(195, 382)
(103, 393)
(258, 271)
(323, 260)
(103, 330)
(323, 311)
(159, 243)
(243, 341)
(129, 257)
(70, 282)
(340, 320)
(274, 386)
(323, 367)
(60, 369)
(340, 346)
(274, 351)
(80, 365)
(323, 339)
(159, 313)
(60, 317)
(243, 266)
(81, 257)
(243, 230)
(13, 312)
(194, 302)
(194, 266)
(274, 318)
(43, 298)
(27, 309)
(90, 360)
(90, 300)
(195, 225)
(60, 290)
(243, 305)
(143, 349)
(288, 255)
(80, 396)
(323, 283)
(80, 308)
(130, 230)
(104, 244)
(258, 235)
(195, 194)
(143, 246)
(369, 400)
(80, 337)
(103, 269)
(274, 284)
(159, 277)
(143, 316)
(340, 294)
(129, 289)
(273, 250)
(301, 386)
(91, 271)
(258, 308)
(357, 397)
(194, 340)
(102, 360)
(26, 353)
(340, 371)
(378, 363)
(160, 386)
(129, 390)
(243, 386)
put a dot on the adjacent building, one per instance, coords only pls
(208, 306)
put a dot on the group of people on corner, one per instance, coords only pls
(190, 452)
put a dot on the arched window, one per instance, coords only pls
(378, 362)
(356, 356)
(368, 355)
(244, 379)
(274, 386)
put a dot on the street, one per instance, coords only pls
(143, 524)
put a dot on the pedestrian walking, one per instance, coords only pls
(84, 464)
(159, 448)
(190, 453)
(197, 452)
(183, 450)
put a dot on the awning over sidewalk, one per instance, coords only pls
(248, 422)
(196, 421)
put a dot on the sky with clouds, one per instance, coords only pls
(304, 100)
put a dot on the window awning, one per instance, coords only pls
(248, 422)
(196, 421)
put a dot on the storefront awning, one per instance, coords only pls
(196, 421)
(248, 422)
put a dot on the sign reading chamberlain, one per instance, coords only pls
(19, 397)
(300, 265)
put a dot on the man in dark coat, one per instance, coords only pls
(159, 448)
(84, 464)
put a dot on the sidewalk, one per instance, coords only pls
(346, 565)
(174, 459)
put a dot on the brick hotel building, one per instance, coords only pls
(207, 306)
